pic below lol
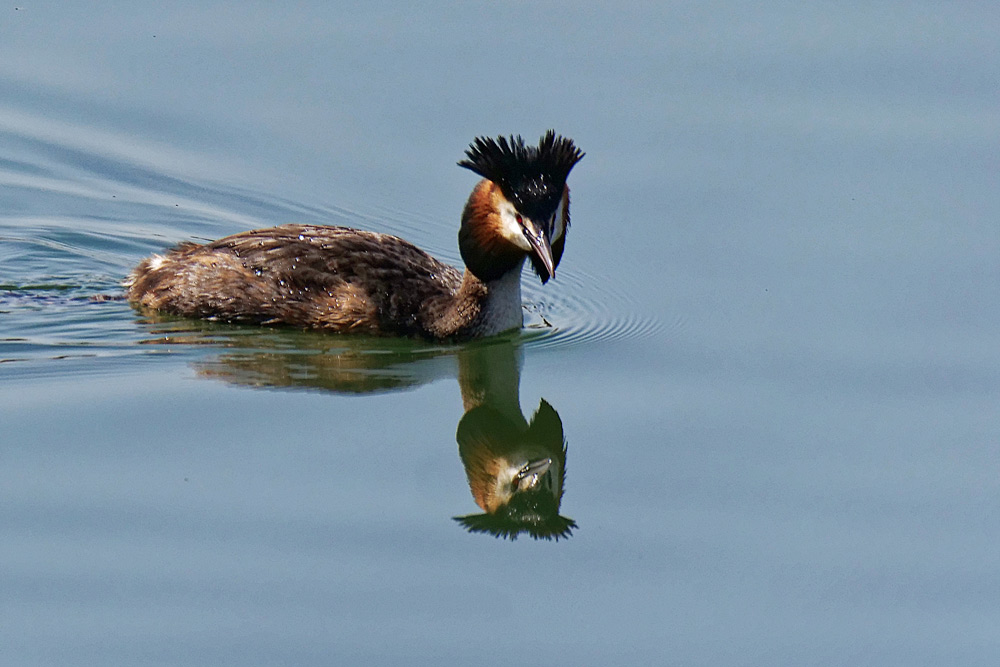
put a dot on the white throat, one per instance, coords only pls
(502, 310)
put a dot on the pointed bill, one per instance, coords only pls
(538, 237)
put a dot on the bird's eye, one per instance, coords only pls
(520, 220)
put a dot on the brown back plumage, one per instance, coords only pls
(301, 275)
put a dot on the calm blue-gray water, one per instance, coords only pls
(772, 350)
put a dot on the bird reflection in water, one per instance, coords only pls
(515, 467)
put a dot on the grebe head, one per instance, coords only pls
(521, 208)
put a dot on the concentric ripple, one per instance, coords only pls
(587, 309)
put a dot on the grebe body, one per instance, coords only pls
(347, 280)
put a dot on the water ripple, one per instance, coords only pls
(587, 309)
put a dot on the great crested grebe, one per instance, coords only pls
(348, 280)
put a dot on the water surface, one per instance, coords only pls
(771, 352)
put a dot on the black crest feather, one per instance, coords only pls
(531, 177)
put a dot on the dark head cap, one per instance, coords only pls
(532, 178)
